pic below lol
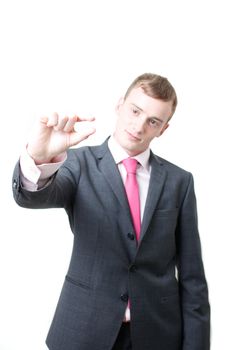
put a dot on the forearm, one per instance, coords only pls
(58, 192)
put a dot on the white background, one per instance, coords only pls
(79, 57)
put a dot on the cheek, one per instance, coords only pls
(123, 121)
(151, 136)
(120, 124)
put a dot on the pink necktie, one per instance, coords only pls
(132, 191)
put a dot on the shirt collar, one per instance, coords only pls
(120, 154)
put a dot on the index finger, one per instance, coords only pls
(84, 119)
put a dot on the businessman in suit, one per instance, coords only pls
(136, 278)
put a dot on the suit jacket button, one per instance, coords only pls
(132, 268)
(124, 297)
(15, 184)
(130, 236)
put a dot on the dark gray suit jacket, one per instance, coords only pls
(108, 267)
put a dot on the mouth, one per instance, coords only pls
(132, 137)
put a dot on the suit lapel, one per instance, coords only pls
(110, 171)
(157, 180)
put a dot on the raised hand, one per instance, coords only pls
(53, 135)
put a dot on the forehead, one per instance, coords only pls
(153, 107)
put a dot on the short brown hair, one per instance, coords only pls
(155, 86)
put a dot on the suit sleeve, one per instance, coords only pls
(58, 193)
(193, 285)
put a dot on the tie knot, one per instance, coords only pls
(130, 165)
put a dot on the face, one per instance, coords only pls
(140, 118)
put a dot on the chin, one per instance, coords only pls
(130, 147)
(133, 151)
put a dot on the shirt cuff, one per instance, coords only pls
(33, 173)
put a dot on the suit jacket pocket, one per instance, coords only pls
(166, 212)
(78, 283)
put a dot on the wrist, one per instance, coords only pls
(37, 160)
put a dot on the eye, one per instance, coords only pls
(154, 122)
(135, 111)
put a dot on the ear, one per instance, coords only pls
(119, 104)
(163, 129)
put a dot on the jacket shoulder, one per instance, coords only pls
(169, 165)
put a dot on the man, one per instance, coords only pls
(136, 278)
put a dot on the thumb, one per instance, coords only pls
(77, 137)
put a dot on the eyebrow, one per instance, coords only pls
(154, 117)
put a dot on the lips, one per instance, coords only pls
(132, 137)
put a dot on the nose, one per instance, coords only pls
(139, 125)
